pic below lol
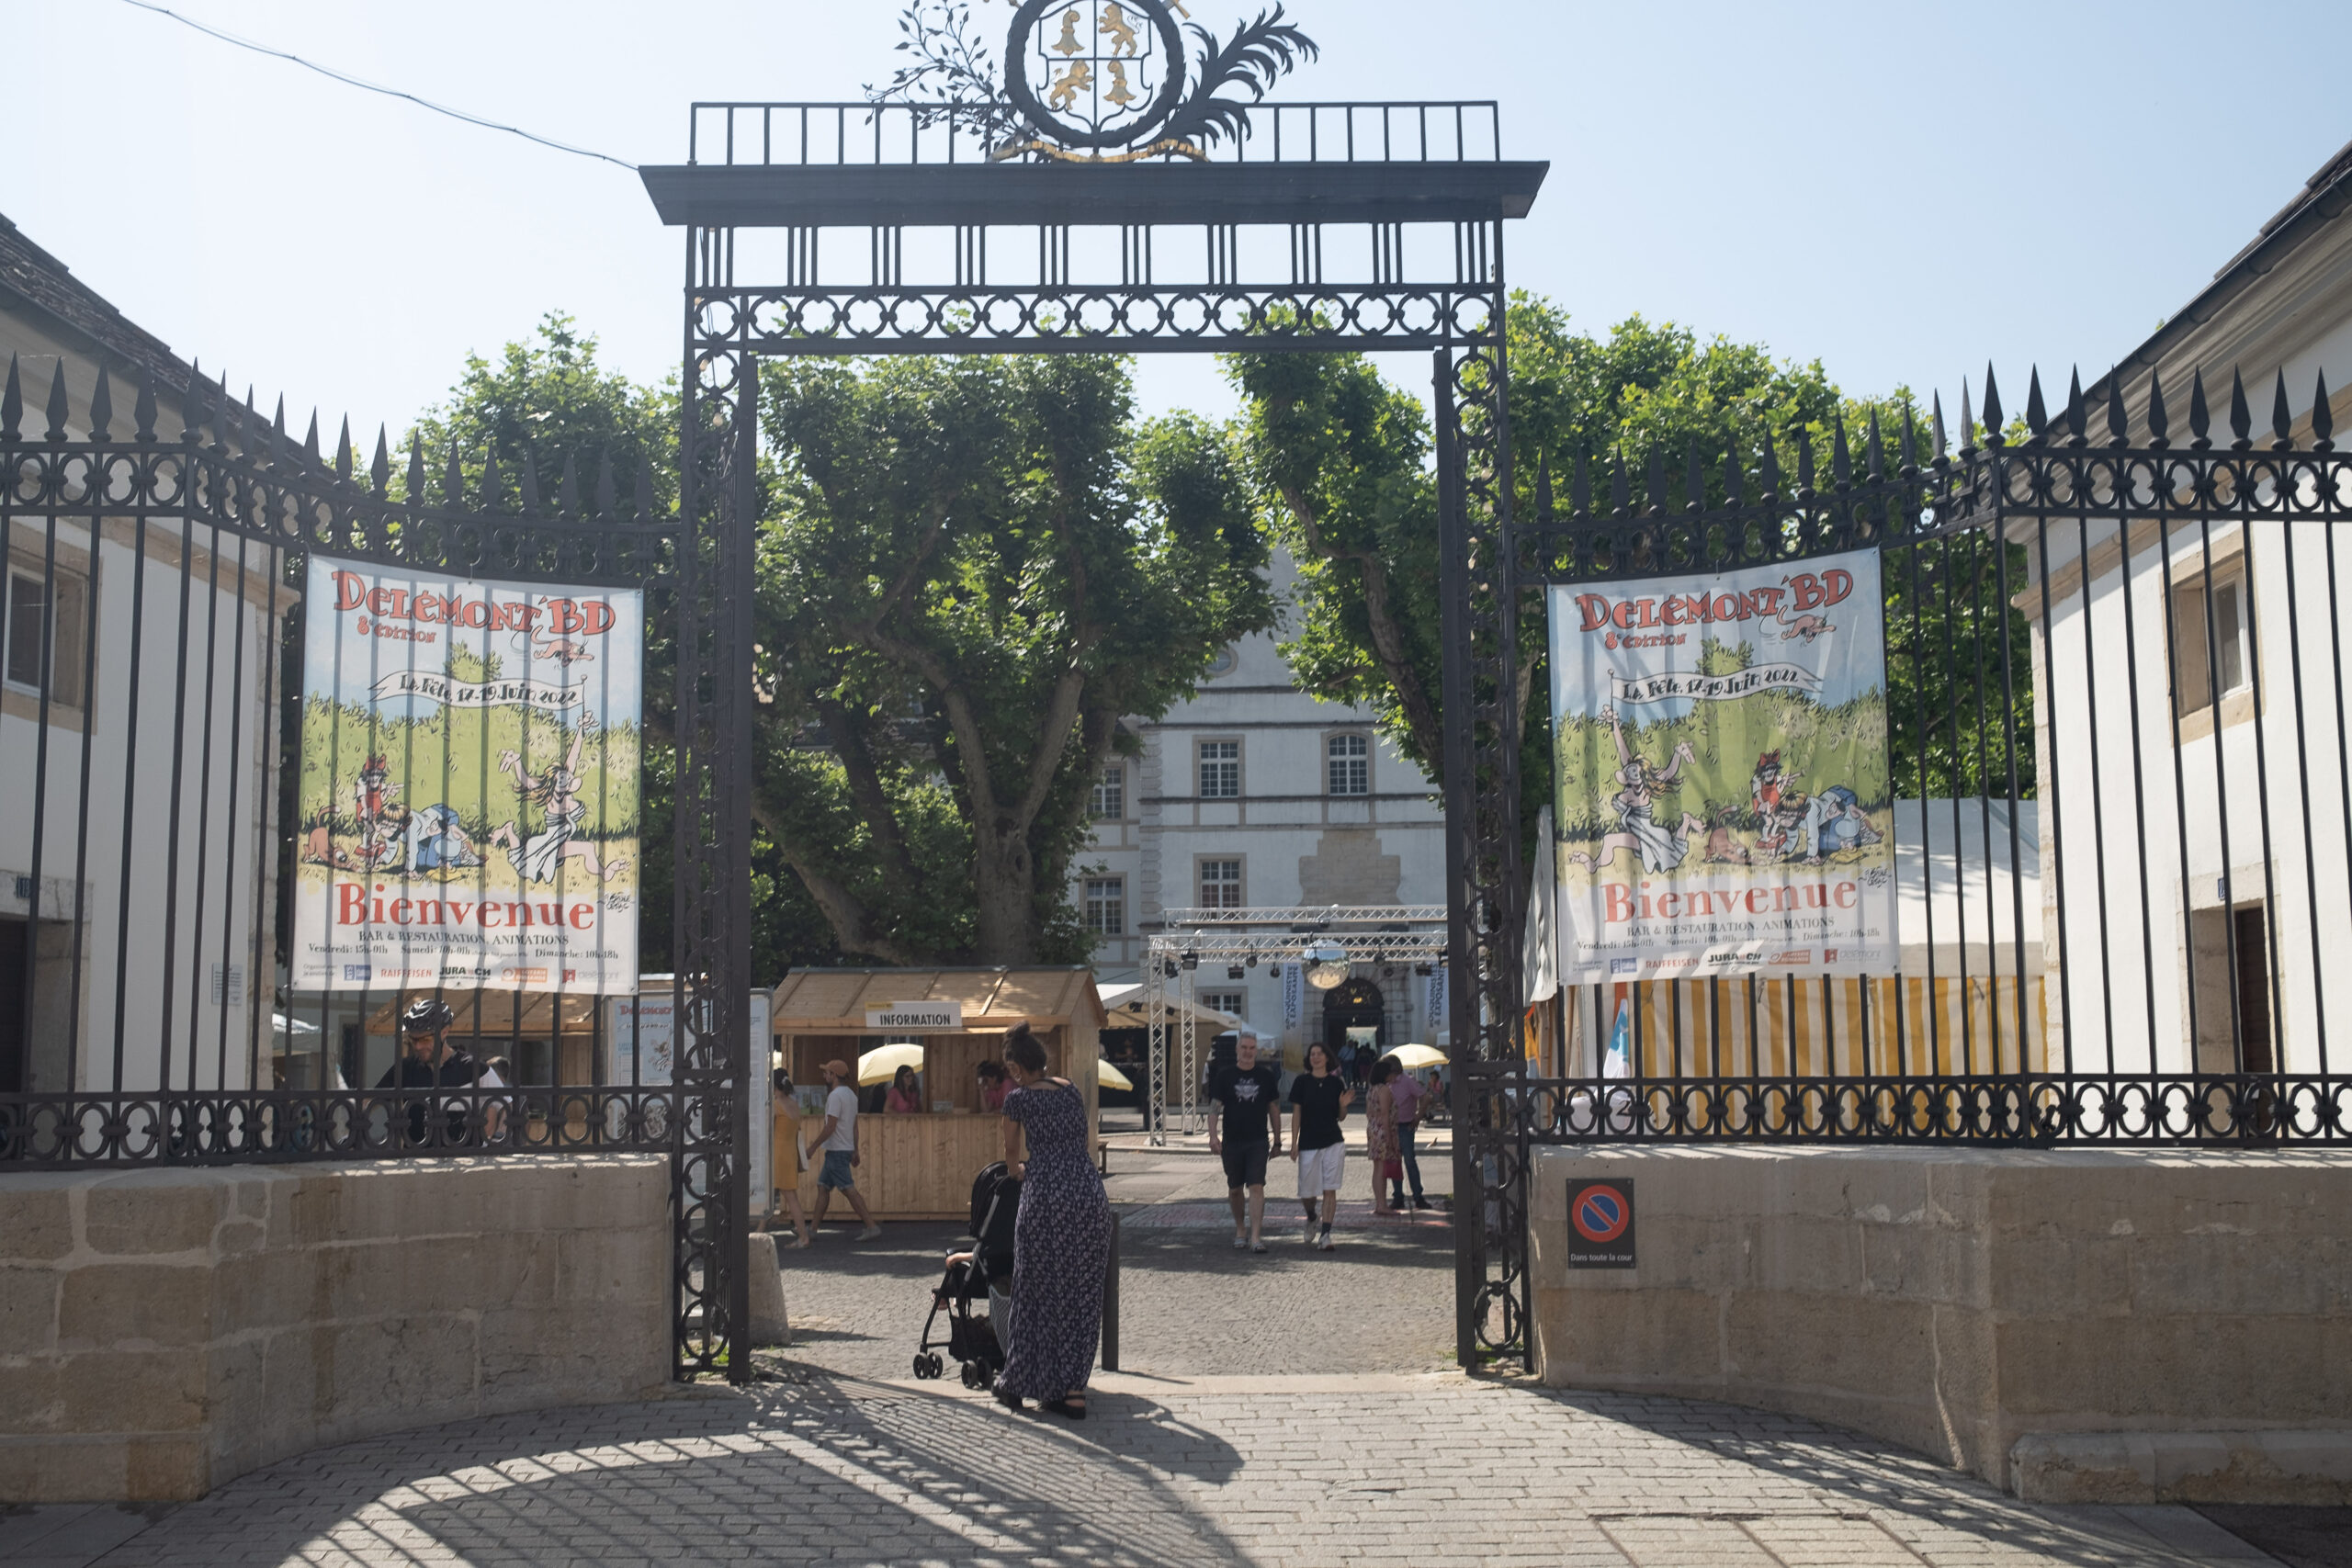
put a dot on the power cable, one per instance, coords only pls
(372, 87)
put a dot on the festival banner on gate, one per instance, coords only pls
(1725, 797)
(468, 799)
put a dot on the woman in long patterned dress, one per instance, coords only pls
(1062, 1240)
(1380, 1132)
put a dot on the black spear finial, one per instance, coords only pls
(452, 482)
(379, 472)
(2282, 418)
(192, 405)
(1580, 484)
(2037, 413)
(1735, 470)
(142, 408)
(604, 498)
(1967, 422)
(644, 488)
(57, 405)
(2118, 418)
(1910, 440)
(2241, 417)
(344, 455)
(1654, 495)
(414, 488)
(1805, 461)
(12, 404)
(277, 427)
(310, 458)
(2078, 413)
(1768, 469)
(1841, 461)
(101, 407)
(2200, 419)
(2323, 419)
(1873, 449)
(1543, 509)
(493, 488)
(1993, 435)
(2159, 418)
(567, 493)
(528, 473)
(1620, 491)
(1936, 431)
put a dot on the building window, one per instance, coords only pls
(1226, 662)
(1220, 884)
(1106, 906)
(1110, 803)
(46, 647)
(1350, 764)
(1220, 769)
(2212, 626)
(1235, 1002)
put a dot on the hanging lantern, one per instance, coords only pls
(1326, 965)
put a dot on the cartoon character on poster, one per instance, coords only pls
(1724, 803)
(468, 793)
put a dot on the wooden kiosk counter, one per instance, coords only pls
(920, 1167)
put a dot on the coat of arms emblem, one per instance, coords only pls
(1099, 80)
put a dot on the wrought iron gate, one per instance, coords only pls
(2137, 638)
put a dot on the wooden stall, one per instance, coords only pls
(922, 1165)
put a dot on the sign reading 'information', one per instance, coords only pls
(917, 1018)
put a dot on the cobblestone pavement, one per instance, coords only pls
(1279, 1409)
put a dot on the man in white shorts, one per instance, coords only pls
(1319, 1097)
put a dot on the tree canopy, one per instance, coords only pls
(971, 571)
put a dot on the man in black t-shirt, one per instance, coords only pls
(426, 1062)
(1244, 1136)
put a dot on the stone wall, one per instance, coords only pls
(162, 1331)
(1957, 1301)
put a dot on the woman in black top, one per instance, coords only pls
(1318, 1097)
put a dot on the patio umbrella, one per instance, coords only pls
(1415, 1057)
(1110, 1076)
(882, 1065)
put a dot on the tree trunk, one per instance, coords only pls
(1004, 885)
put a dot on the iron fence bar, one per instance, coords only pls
(2046, 752)
(2303, 797)
(2227, 891)
(172, 839)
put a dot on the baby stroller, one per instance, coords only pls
(971, 1338)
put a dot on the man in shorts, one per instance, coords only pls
(1248, 1133)
(838, 1138)
(1319, 1097)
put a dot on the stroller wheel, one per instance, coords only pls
(922, 1365)
(974, 1376)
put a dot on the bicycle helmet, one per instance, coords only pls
(426, 1015)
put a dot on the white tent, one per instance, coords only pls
(1954, 883)
(1129, 1009)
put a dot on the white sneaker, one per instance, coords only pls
(1325, 1242)
(1310, 1233)
(871, 1233)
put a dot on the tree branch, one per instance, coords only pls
(1422, 718)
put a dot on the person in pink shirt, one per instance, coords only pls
(994, 1087)
(1407, 1093)
(905, 1098)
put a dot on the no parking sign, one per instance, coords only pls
(1600, 1223)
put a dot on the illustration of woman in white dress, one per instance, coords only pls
(537, 857)
(1660, 849)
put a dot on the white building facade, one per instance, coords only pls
(2191, 729)
(1255, 795)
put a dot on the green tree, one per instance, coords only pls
(1344, 460)
(971, 570)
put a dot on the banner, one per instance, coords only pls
(469, 796)
(1724, 805)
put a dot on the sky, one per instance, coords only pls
(1903, 190)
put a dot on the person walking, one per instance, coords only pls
(1251, 1094)
(1407, 1093)
(1318, 1097)
(906, 1093)
(787, 1183)
(1061, 1239)
(429, 1063)
(1380, 1133)
(838, 1138)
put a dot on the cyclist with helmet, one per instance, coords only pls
(426, 1062)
